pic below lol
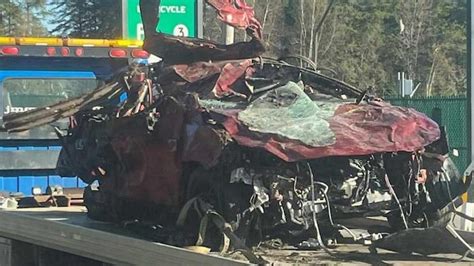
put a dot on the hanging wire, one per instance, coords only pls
(337, 226)
(390, 188)
(315, 221)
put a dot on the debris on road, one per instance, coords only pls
(55, 196)
(8, 203)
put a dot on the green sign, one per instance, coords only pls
(177, 17)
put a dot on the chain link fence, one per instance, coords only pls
(451, 112)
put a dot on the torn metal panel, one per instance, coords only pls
(198, 70)
(238, 14)
(231, 72)
(227, 72)
(424, 241)
(183, 50)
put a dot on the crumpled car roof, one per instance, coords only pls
(287, 123)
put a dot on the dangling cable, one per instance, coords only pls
(315, 221)
(390, 188)
(337, 226)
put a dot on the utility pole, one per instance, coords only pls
(470, 90)
(27, 31)
(401, 80)
(229, 34)
(470, 74)
(200, 19)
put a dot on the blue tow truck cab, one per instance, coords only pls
(35, 72)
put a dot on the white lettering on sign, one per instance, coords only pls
(181, 31)
(13, 110)
(169, 9)
(173, 9)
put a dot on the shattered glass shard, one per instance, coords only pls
(288, 112)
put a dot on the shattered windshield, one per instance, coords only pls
(20, 94)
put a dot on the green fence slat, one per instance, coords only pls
(452, 113)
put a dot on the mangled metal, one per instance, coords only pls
(263, 149)
(183, 50)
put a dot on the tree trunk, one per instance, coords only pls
(28, 24)
(312, 37)
(302, 27)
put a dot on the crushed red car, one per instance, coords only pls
(264, 149)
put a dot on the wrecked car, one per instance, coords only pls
(262, 148)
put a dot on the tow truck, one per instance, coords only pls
(39, 71)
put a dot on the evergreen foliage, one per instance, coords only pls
(87, 18)
(22, 17)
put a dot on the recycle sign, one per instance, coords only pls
(177, 17)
